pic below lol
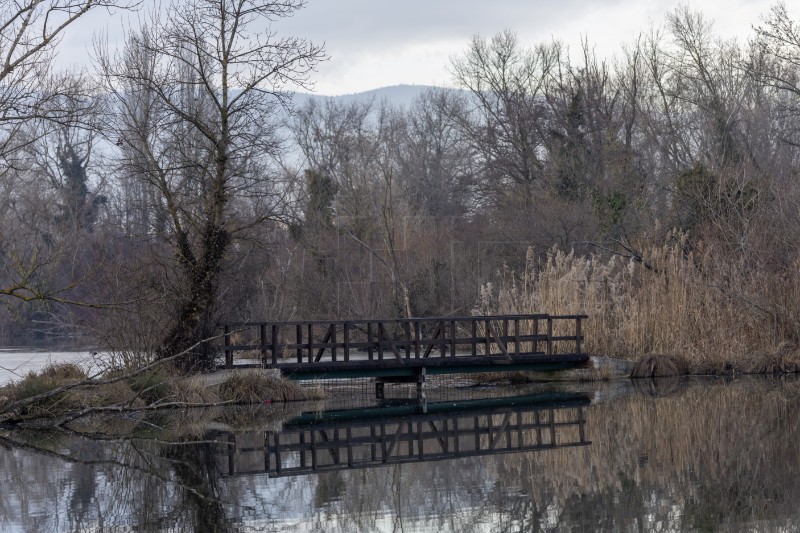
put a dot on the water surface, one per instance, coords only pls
(674, 455)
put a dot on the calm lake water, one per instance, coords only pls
(670, 455)
(15, 363)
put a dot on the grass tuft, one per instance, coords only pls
(257, 387)
(659, 366)
(193, 390)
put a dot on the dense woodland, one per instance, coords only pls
(174, 184)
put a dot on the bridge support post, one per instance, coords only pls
(419, 379)
(421, 384)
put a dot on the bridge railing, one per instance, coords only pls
(356, 444)
(316, 342)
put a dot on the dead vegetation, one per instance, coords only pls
(682, 300)
(64, 393)
(256, 387)
(659, 366)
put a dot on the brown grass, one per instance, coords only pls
(659, 366)
(193, 390)
(63, 372)
(256, 387)
(58, 375)
(719, 315)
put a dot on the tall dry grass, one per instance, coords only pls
(718, 314)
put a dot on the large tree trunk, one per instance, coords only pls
(194, 314)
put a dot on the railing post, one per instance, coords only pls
(275, 344)
(380, 341)
(347, 341)
(311, 343)
(453, 338)
(262, 338)
(535, 346)
(333, 342)
(417, 335)
(516, 336)
(549, 335)
(474, 334)
(442, 340)
(370, 341)
(407, 333)
(486, 340)
(228, 351)
(298, 340)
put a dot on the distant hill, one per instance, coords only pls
(399, 95)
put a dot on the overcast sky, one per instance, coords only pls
(377, 43)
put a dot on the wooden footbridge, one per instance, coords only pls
(406, 349)
(367, 438)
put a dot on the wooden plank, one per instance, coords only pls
(494, 436)
(400, 320)
(228, 351)
(498, 341)
(275, 331)
(298, 337)
(439, 435)
(430, 346)
(453, 338)
(324, 342)
(333, 342)
(380, 341)
(443, 343)
(417, 335)
(370, 341)
(391, 343)
(347, 341)
(407, 332)
(262, 341)
(474, 341)
(310, 343)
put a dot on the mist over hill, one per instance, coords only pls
(397, 95)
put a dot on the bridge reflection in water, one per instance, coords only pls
(406, 431)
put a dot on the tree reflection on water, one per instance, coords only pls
(689, 455)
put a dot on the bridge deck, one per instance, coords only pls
(407, 347)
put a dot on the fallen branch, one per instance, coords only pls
(12, 409)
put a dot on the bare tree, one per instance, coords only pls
(197, 121)
(36, 100)
(507, 83)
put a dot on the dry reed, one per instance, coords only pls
(659, 366)
(718, 315)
